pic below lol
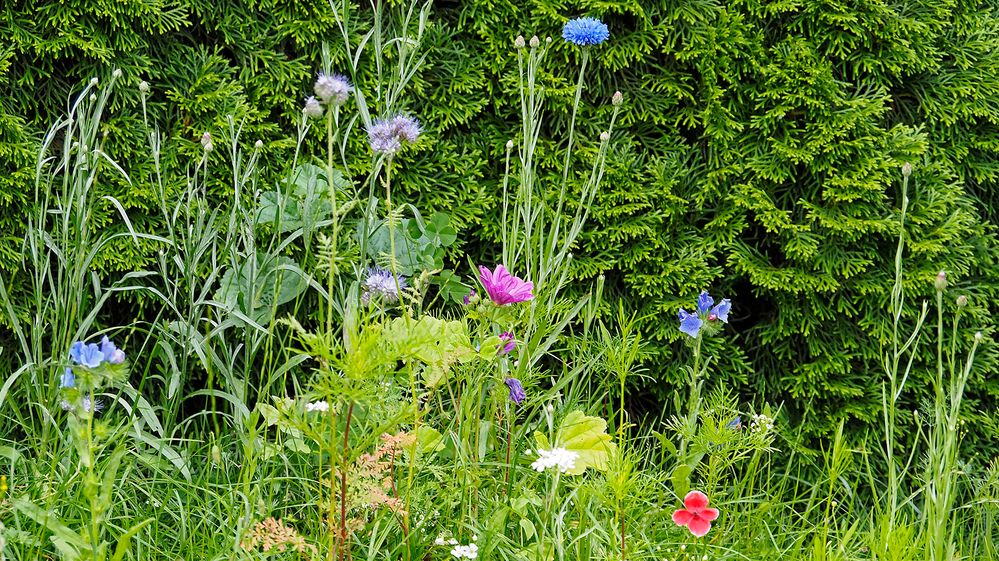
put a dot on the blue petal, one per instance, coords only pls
(68, 380)
(585, 32)
(691, 325)
(684, 314)
(721, 310)
(704, 302)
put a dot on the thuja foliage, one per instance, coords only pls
(759, 152)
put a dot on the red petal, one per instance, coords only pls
(695, 501)
(682, 517)
(708, 514)
(699, 526)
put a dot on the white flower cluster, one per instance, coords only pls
(470, 551)
(762, 423)
(559, 458)
(319, 406)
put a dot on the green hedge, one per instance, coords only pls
(758, 154)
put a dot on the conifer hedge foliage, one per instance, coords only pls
(764, 142)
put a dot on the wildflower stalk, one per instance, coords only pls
(694, 401)
(344, 465)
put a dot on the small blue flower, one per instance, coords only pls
(690, 323)
(517, 393)
(112, 354)
(68, 379)
(735, 424)
(585, 32)
(88, 355)
(383, 282)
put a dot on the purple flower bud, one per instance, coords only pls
(508, 343)
(517, 393)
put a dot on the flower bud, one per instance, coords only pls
(548, 40)
(94, 81)
(979, 337)
(143, 87)
(116, 73)
(617, 99)
(93, 97)
(535, 41)
(941, 281)
(258, 144)
(604, 136)
(206, 142)
(509, 144)
(519, 43)
(906, 169)
(962, 301)
(216, 454)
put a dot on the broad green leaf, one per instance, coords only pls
(586, 436)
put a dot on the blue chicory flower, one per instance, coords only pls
(517, 393)
(585, 32)
(84, 354)
(68, 379)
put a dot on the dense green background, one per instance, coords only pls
(758, 152)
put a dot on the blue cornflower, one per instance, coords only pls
(88, 355)
(585, 32)
(691, 323)
(517, 393)
(68, 379)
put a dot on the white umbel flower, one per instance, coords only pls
(320, 406)
(470, 551)
(560, 458)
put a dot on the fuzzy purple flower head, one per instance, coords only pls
(386, 136)
(517, 393)
(332, 88)
(691, 322)
(383, 282)
(313, 109)
(507, 344)
(504, 288)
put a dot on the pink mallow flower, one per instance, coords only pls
(696, 516)
(504, 288)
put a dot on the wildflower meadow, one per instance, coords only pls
(313, 360)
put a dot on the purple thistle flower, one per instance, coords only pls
(68, 379)
(332, 88)
(87, 355)
(508, 343)
(504, 288)
(517, 393)
(690, 323)
(112, 354)
(585, 32)
(383, 282)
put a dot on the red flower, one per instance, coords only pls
(696, 516)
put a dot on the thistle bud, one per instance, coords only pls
(535, 41)
(519, 42)
(941, 281)
(116, 73)
(617, 99)
(906, 169)
(604, 136)
(962, 301)
(143, 87)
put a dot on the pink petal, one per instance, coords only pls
(708, 514)
(682, 517)
(695, 501)
(699, 526)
